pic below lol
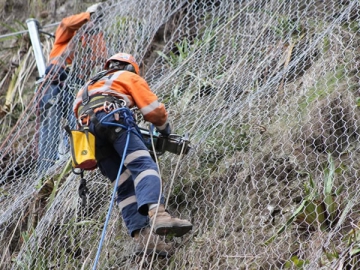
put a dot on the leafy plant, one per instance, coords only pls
(185, 48)
(318, 209)
(321, 210)
(176, 58)
(295, 263)
(351, 255)
(29, 260)
(286, 26)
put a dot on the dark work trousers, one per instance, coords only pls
(54, 106)
(139, 183)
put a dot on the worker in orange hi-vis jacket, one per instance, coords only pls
(54, 95)
(139, 189)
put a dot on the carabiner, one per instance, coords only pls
(109, 106)
(84, 120)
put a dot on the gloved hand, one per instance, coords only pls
(166, 131)
(93, 8)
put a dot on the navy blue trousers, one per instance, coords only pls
(139, 183)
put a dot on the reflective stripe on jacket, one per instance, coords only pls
(134, 90)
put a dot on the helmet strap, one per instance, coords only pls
(122, 66)
(130, 68)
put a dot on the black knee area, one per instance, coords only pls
(144, 210)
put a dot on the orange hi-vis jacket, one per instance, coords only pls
(65, 32)
(134, 90)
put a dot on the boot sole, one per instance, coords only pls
(177, 231)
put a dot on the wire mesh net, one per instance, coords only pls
(269, 93)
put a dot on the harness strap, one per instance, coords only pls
(85, 95)
(97, 102)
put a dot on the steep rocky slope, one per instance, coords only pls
(269, 92)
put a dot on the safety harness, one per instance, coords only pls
(111, 105)
(90, 105)
(108, 103)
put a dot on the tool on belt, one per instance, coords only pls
(174, 143)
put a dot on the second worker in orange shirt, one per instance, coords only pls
(55, 95)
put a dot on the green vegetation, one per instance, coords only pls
(174, 59)
(183, 49)
(324, 87)
(285, 26)
(17, 27)
(322, 209)
(295, 263)
(352, 251)
(318, 210)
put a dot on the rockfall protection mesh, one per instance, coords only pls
(269, 92)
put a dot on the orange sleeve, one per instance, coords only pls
(69, 26)
(66, 31)
(146, 100)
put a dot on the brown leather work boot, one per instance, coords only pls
(160, 247)
(164, 224)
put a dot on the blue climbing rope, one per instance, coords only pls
(129, 123)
